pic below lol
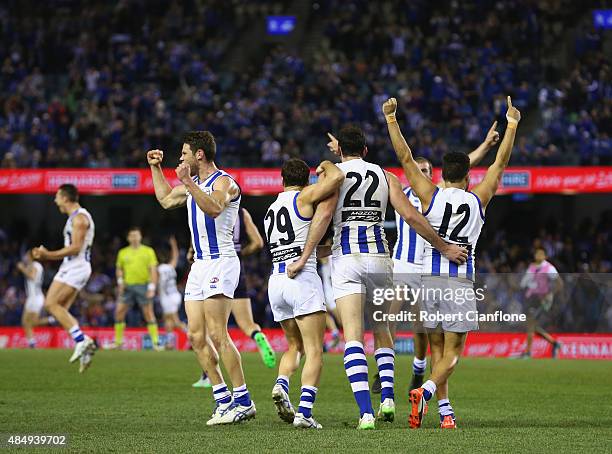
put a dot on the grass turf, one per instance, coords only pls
(143, 401)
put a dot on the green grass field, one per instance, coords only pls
(143, 401)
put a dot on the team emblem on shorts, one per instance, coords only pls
(213, 282)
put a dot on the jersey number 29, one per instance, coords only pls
(283, 225)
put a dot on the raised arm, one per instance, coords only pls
(417, 221)
(29, 270)
(167, 196)
(481, 151)
(80, 224)
(330, 179)
(421, 185)
(487, 188)
(174, 251)
(256, 242)
(318, 226)
(224, 191)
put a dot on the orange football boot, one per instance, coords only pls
(417, 408)
(448, 422)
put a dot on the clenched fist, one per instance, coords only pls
(183, 172)
(390, 106)
(155, 157)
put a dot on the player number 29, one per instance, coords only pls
(283, 225)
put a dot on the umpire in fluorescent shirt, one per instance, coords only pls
(136, 270)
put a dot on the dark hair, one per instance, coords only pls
(455, 166)
(202, 140)
(352, 141)
(134, 228)
(421, 159)
(70, 191)
(295, 172)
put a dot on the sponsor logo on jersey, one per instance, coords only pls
(286, 254)
(361, 216)
(214, 280)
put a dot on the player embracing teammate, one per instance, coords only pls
(361, 262)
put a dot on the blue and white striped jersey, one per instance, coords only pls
(360, 212)
(286, 233)
(458, 217)
(212, 237)
(409, 246)
(84, 255)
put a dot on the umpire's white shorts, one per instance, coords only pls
(76, 275)
(361, 274)
(211, 277)
(291, 298)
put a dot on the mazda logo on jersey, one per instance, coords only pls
(214, 280)
(361, 216)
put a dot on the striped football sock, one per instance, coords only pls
(283, 380)
(77, 334)
(445, 409)
(356, 368)
(309, 393)
(241, 396)
(221, 394)
(419, 366)
(385, 360)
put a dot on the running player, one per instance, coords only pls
(458, 216)
(136, 272)
(540, 282)
(33, 273)
(213, 199)
(298, 304)
(361, 263)
(74, 271)
(408, 258)
(170, 298)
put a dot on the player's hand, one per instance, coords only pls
(183, 172)
(455, 253)
(189, 255)
(512, 115)
(40, 253)
(150, 294)
(492, 136)
(333, 144)
(294, 268)
(390, 106)
(155, 157)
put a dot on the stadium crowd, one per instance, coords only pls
(95, 86)
(578, 252)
